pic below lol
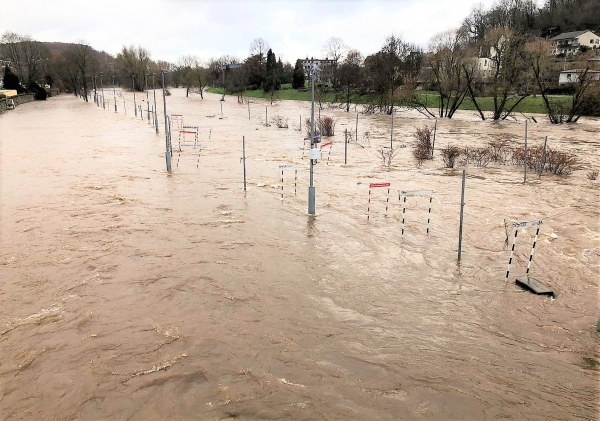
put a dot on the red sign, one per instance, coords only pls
(379, 185)
(327, 144)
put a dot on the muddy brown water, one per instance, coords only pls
(131, 294)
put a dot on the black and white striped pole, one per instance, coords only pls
(516, 226)
(537, 232)
(403, 213)
(429, 213)
(283, 167)
(512, 252)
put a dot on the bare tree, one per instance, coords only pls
(134, 61)
(200, 76)
(83, 56)
(183, 68)
(27, 56)
(545, 70)
(259, 47)
(397, 64)
(476, 24)
(446, 60)
(335, 49)
(506, 82)
(350, 78)
(66, 68)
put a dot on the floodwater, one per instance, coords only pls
(131, 294)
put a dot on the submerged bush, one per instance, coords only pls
(423, 146)
(449, 155)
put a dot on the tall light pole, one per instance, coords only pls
(114, 93)
(167, 152)
(147, 101)
(311, 188)
(155, 116)
(102, 89)
(95, 92)
(133, 89)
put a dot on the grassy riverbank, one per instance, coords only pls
(530, 105)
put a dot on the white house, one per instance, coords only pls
(324, 68)
(569, 42)
(572, 76)
(486, 67)
(486, 62)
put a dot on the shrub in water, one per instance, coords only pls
(449, 155)
(423, 145)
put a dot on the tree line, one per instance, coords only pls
(497, 55)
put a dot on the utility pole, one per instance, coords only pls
(147, 100)
(102, 89)
(155, 116)
(167, 153)
(133, 89)
(95, 92)
(311, 188)
(114, 94)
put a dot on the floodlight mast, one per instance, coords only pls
(133, 89)
(155, 115)
(311, 188)
(167, 152)
(102, 89)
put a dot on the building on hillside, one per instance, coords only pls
(486, 67)
(572, 76)
(569, 42)
(324, 66)
(487, 62)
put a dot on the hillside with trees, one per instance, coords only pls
(496, 63)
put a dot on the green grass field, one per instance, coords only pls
(530, 105)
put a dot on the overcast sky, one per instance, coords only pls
(208, 28)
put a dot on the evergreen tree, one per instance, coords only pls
(270, 79)
(11, 80)
(298, 79)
